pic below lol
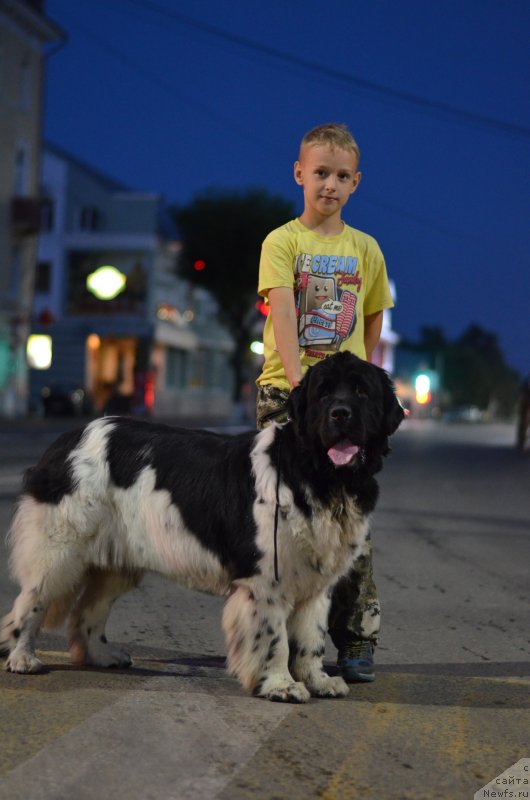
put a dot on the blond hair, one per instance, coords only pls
(333, 134)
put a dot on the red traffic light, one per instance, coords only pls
(199, 265)
(263, 307)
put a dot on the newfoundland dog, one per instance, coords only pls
(271, 520)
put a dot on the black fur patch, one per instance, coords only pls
(374, 414)
(207, 476)
(51, 479)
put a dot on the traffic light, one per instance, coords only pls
(263, 307)
(422, 385)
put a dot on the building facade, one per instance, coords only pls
(384, 353)
(156, 346)
(25, 33)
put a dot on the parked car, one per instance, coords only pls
(65, 400)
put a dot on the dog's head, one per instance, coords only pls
(346, 408)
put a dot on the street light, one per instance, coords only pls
(106, 283)
(39, 351)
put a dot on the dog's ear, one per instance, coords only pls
(394, 411)
(297, 405)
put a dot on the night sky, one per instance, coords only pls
(176, 97)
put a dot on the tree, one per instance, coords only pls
(471, 368)
(432, 343)
(477, 374)
(221, 233)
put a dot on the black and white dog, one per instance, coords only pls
(270, 519)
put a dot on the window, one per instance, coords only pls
(207, 369)
(212, 377)
(47, 215)
(176, 368)
(15, 272)
(25, 85)
(43, 277)
(2, 67)
(89, 219)
(21, 171)
(199, 376)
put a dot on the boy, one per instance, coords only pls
(327, 286)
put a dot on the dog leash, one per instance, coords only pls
(277, 510)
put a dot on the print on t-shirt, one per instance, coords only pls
(326, 293)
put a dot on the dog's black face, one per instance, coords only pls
(347, 408)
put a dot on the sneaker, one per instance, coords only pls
(356, 661)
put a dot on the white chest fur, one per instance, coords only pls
(313, 551)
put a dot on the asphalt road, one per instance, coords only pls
(447, 713)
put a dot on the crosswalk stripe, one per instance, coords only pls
(195, 741)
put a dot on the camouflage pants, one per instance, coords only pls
(355, 611)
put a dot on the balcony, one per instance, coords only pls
(26, 215)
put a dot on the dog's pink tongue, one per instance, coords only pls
(342, 452)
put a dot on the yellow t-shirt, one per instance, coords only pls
(337, 281)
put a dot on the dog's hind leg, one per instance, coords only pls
(307, 633)
(86, 628)
(258, 650)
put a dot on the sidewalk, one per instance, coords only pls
(54, 426)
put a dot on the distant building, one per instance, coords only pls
(24, 34)
(384, 353)
(156, 346)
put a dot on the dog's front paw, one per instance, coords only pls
(325, 686)
(282, 691)
(23, 663)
